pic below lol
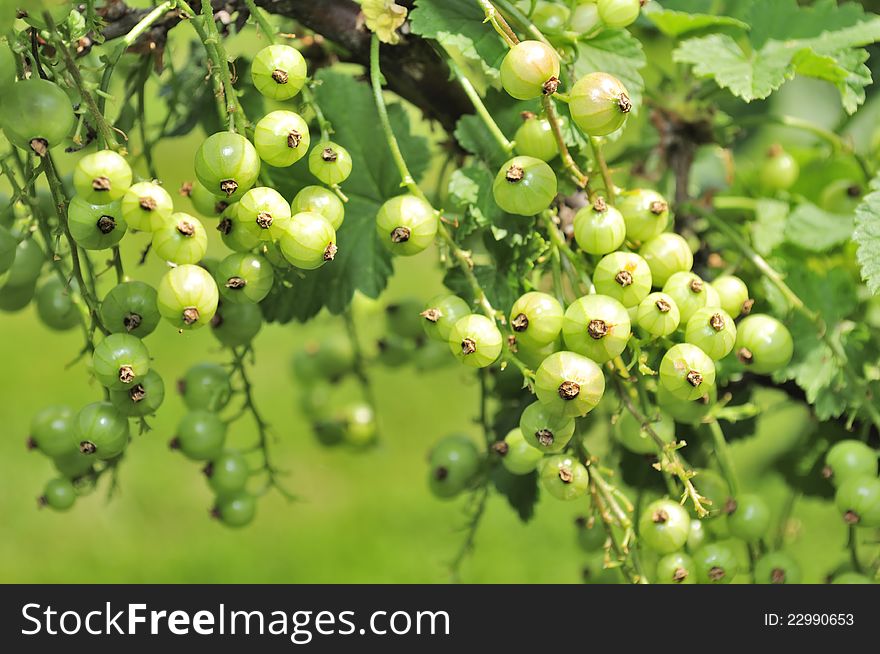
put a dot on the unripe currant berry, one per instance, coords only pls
(599, 104)
(475, 341)
(733, 295)
(26, 267)
(687, 372)
(55, 306)
(530, 69)
(50, 117)
(233, 234)
(517, 456)
(625, 276)
(100, 431)
(544, 430)
(206, 386)
(841, 196)
(524, 186)
(227, 165)
(146, 206)
(120, 361)
(403, 318)
(858, 500)
(318, 199)
(330, 163)
(102, 177)
(569, 384)
(309, 241)
(264, 213)
(406, 225)
(596, 326)
(441, 314)
(200, 435)
(94, 226)
(763, 344)
(228, 473)
(716, 564)
(748, 517)
(236, 324)
(279, 71)
(658, 315)
(591, 534)
(142, 398)
(599, 228)
(676, 568)
(550, 17)
(664, 526)
(182, 239)
(645, 212)
(777, 568)
(690, 293)
(564, 477)
(635, 437)
(847, 459)
(536, 319)
(236, 509)
(712, 330)
(50, 431)
(585, 18)
(453, 461)
(688, 412)
(131, 308)
(666, 255)
(8, 246)
(244, 278)
(780, 170)
(535, 138)
(281, 138)
(58, 495)
(206, 203)
(619, 13)
(187, 297)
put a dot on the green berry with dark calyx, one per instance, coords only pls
(858, 500)
(849, 459)
(748, 517)
(318, 199)
(599, 104)
(676, 568)
(544, 430)
(200, 435)
(236, 509)
(228, 473)
(453, 462)
(716, 564)
(100, 431)
(777, 568)
(658, 315)
(734, 295)
(330, 163)
(599, 228)
(236, 324)
(524, 186)
(142, 399)
(569, 384)
(244, 278)
(645, 212)
(441, 313)
(536, 319)
(475, 341)
(713, 331)
(687, 372)
(690, 293)
(517, 455)
(564, 477)
(406, 225)
(131, 308)
(50, 430)
(58, 494)
(666, 254)
(664, 526)
(120, 361)
(530, 69)
(625, 276)
(95, 226)
(763, 344)
(596, 326)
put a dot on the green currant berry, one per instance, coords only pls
(227, 165)
(842, 196)
(265, 213)
(696, 536)
(236, 324)
(687, 372)
(244, 278)
(599, 104)
(100, 431)
(58, 494)
(585, 18)
(182, 239)
(569, 384)
(16, 298)
(536, 319)
(187, 297)
(8, 246)
(599, 229)
(475, 340)
(763, 344)
(564, 477)
(733, 295)
(712, 330)
(200, 435)
(50, 431)
(236, 510)
(544, 430)
(332, 358)
(666, 255)
(146, 206)
(279, 71)
(777, 568)
(530, 69)
(779, 171)
(689, 292)
(318, 199)
(748, 518)
(55, 307)
(206, 386)
(453, 461)
(851, 578)
(282, 138)
(205, 203)
(533, 357)
(858, 499)
(402, 318)
(228, 473)
(73, 464)
(36, 115)
(590, 534)
(535, 138)
(619, 13)
(360, 425)
(625, 276)
(550, 18)
(645, 212)
(309, 241)
(518, 457)
(406, 225)
(848, 459)
(131, 308)
(597, 327)
(635, 437)
(102, 177)
(26, 267)
(94, 226)
(233, 234)
(664, 526)
(143, 399)
(658, 315)
(330, 163)
(120, 361)
(524, 186)
(676, 568)
(441, 313)
(716, 564)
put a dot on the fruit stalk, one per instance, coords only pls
(498, 22)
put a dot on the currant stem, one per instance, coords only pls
(360, 366)
(599, 155)
(522, 20)
(480, 107)
(324, 124)
(261, 19)
(725, 461)
(580, 179)
(498, 22)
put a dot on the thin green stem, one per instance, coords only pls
(725, 461)
(498, 22)
(852, 546)
(603, 168)
(480, 107)
(360, 366)
(261, 19)
(577, 175)
(323, 124)
(522, 20)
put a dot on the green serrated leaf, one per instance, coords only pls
(678, 23)
(768, 228)
(867, 237)
(470, 191)
(816, 230)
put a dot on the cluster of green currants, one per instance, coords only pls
(201, 436)
(851, 466)
(580, 17)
